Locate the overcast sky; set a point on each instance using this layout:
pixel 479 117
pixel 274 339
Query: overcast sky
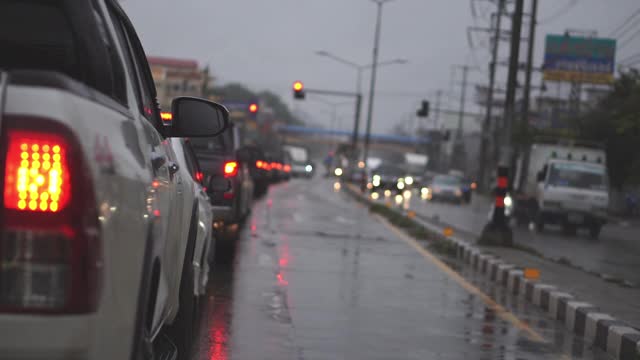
pixel 267 44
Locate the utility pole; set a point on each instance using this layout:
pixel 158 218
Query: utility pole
pixel 436 120
pixel 459 154
pixel 374 68
pixel 527 94
pixel 512 79
pixel 486 125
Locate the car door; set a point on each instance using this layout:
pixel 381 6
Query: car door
pixel 162 190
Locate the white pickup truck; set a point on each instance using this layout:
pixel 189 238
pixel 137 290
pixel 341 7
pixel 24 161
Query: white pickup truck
pixel 566 184
pixel 92 251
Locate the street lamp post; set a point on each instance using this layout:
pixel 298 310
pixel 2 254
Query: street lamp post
pixel 359 69
pixel 374 68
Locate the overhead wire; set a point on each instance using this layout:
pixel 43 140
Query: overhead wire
pixel 624 23
pixel 561 12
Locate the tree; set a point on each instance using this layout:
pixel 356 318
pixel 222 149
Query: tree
pixel 615 121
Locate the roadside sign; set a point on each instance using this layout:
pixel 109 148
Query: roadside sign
pixel 579 59
pixel 531 274
pixel 448 232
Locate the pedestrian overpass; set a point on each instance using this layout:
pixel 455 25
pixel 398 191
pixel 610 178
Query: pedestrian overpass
pixel 303 135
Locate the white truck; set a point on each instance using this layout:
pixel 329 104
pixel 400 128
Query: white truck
pixel 566 184
pixel 95 243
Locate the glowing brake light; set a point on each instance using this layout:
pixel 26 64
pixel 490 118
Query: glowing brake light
pixel 50 238
pixel 199 176
pixel 230 169
pixel 287 168
pixel 36 172
pixel 260 164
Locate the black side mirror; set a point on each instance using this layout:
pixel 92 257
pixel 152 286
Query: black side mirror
pixel 540 176
pixel 195 117
pixel 219 184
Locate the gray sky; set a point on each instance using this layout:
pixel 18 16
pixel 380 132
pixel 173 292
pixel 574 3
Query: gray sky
pixel 267 44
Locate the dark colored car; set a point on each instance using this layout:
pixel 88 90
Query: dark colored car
pixel 447 188
pixel 218 158
pixel 386 176
pixel 259 168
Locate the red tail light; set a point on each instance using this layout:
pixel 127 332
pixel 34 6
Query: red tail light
pixel 230 169
pixel 199 176
pixel 260 164
pixel 287 168
pixel 50 258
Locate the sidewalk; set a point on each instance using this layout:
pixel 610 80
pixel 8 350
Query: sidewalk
pixel 621 302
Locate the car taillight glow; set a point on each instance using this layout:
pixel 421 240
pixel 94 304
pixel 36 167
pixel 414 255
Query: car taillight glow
pixel 287 168
pixel 230 169
pixel 199 176
pixel 50 248
pixel 259 164
pixel 36 172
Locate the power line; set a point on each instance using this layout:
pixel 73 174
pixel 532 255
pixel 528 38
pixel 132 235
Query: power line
pixel 629 40
pixel 628 29
pixel 563 11
pixel 625 22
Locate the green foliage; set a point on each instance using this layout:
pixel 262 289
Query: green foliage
pixel 236 91
pixel 616 123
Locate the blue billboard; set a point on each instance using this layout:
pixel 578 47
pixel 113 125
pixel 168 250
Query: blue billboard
pixel 579 59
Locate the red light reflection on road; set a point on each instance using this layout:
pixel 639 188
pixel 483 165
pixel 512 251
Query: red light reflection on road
pixel 219 333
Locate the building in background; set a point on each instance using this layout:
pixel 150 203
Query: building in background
pixel 177 77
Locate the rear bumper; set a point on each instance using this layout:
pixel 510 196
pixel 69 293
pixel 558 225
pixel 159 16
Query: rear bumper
pixel 577 218
pixel 30 337
pixel 222 213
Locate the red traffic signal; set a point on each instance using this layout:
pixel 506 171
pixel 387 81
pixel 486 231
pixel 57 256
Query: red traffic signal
pixel 253 108
pixel 298 90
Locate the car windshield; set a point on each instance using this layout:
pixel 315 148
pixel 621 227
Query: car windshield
pixel 578 176
pixel 447 180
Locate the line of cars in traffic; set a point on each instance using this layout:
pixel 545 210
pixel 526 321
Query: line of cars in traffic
pixel 108 205
pixel 391 179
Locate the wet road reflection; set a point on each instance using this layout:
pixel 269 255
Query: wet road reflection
pixel 316 277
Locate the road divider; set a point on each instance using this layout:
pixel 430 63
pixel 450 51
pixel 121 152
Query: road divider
pixel 617 338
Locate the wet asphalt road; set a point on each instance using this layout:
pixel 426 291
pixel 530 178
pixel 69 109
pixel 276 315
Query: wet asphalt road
pixel 616 252
pixel 316 277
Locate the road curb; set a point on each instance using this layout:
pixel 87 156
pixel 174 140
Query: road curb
pixel 602 330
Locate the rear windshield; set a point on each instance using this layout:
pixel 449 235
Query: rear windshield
pixel 211 145
pixel 39 35
pixel 447 180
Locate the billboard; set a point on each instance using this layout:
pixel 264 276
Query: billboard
pixel 579 59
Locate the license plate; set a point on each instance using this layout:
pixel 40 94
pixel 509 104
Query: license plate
pixel 575 218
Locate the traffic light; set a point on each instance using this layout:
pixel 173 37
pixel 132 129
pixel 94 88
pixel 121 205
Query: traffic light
pixel 424 109
pixel 298 90
pixel 253 108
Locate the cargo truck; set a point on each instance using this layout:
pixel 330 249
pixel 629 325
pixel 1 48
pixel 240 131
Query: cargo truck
pixel 564 183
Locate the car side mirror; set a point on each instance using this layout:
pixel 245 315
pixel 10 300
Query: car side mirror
pixel 195 117
pixel 219 184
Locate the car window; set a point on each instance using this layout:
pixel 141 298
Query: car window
pixel 143 87
pixel 41 35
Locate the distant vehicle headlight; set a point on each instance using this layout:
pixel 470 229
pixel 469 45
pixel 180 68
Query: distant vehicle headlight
pixel 508 201
pixel 309 168
pixel 408 180
pixel 376 177
pixel 338 172
pixel 376 182
pixel 400 185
